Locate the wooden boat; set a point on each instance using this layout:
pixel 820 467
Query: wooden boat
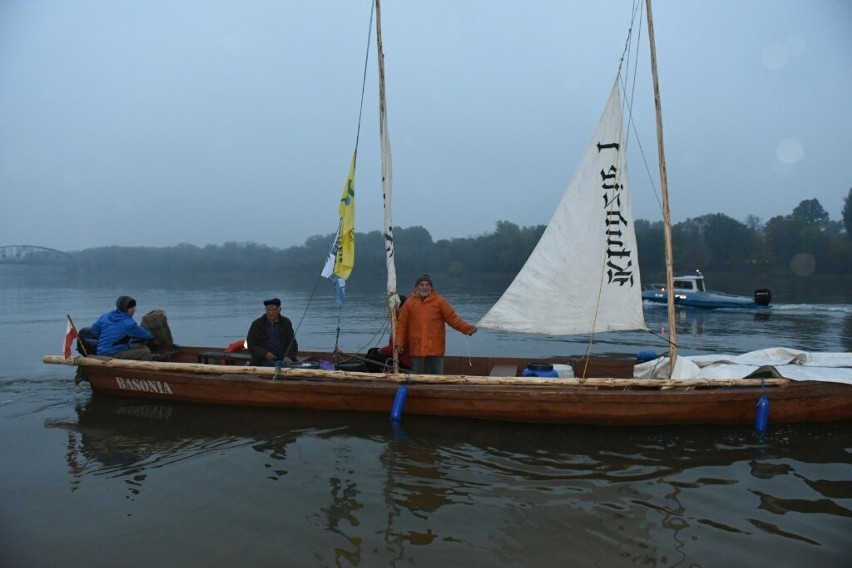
pixel 551 295
pixel 689 292
pixel 469 391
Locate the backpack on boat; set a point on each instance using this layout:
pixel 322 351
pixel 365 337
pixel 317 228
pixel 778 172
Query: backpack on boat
pixel 157 325
pixel 87 342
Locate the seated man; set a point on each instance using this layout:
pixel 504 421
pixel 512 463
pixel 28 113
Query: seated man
pixel 116 330
pixel 271 338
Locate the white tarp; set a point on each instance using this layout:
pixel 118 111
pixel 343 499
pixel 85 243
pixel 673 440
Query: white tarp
pixel 583 276
pixel 789 363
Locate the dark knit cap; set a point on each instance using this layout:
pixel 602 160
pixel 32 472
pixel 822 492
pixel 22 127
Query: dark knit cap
pixel 272 302
pixel 124 303
pixel 423 278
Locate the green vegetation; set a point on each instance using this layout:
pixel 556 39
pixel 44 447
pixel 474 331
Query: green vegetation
pixel 802 256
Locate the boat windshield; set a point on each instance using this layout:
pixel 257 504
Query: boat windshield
pixel 690 284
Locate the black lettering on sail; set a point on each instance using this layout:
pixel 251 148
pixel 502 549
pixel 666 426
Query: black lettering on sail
pixel 614 218
pixel 612 201
pixel 618 272
pixel 389 241
pixel 611 198
pixel 619 275
pixel 609 181
pixel 610 253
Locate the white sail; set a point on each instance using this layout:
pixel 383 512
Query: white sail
pixel 583 276
pixel 387 167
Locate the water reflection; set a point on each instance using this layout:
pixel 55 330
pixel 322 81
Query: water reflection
pixel 487 493
pixel 118 437
pixel 810 328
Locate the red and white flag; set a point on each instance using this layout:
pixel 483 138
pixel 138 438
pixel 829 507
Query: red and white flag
pixel 70 336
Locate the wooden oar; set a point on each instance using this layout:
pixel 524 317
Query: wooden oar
pixel 286 373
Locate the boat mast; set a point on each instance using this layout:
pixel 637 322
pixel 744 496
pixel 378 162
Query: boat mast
pixel 664 188
pixel 387 185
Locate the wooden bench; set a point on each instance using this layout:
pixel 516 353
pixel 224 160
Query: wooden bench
pixel 214 357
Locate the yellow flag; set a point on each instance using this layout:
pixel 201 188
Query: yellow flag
pixel 345 259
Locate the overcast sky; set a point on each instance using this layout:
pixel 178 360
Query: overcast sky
pixel 163 122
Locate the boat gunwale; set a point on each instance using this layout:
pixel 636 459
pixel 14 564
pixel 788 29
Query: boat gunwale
pixel 272 375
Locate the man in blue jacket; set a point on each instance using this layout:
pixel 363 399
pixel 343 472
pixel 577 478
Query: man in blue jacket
pixel 115 329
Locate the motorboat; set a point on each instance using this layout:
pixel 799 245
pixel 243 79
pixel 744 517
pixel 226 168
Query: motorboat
pixel 689 291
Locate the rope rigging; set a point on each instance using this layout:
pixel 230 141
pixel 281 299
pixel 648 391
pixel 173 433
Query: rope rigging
pixel 354 159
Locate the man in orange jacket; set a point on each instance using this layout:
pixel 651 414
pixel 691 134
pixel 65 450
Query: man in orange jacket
pixel 421 327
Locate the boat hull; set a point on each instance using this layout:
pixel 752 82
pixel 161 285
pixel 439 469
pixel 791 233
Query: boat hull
pixel 790 402
pixel 704 300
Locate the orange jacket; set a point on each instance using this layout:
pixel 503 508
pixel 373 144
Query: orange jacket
pixel 421 328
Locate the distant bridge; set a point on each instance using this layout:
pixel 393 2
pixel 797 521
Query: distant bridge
pixel 28 254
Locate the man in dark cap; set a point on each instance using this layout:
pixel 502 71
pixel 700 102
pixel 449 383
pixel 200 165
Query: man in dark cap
pixel 271 338
pixel 421 330
pixel 116 329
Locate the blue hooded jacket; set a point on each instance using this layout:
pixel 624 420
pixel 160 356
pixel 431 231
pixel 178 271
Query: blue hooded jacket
pixel 115 329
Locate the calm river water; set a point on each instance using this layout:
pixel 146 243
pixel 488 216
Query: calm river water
pixel 90 481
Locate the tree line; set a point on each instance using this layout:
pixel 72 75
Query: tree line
pixel 801 248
